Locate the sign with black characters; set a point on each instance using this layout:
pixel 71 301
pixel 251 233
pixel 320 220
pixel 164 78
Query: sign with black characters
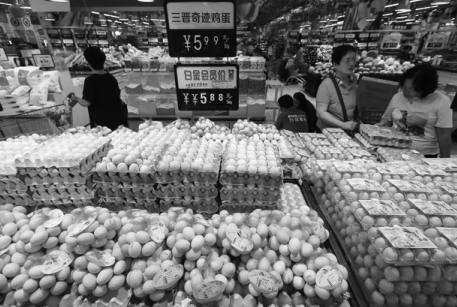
pixel 54 34
pixel 207 87
pixel 80 34
pixel 201 29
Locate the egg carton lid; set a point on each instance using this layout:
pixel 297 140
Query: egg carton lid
pixel 449 188
pixel 448 165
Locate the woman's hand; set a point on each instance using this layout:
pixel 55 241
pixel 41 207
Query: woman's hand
pixel 74 101
pixel 349 125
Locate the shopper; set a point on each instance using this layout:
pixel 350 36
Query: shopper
pixel 101 94
pixel 290 118
pixel 426 112
pixel 336 96
pixel 405 55
pixel 301 103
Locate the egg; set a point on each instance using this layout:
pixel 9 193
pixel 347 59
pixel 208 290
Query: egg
pixel 207 167
pixel 230 169
pixel 195 166
pixel 275 171
pixel 241 168
pixel 174 165
pixel 134 168
pixel 252 169
pixel 129 159
pixel 101 167
pixel 111 167
pixel 122 167
pixel 145 169
pixel 263 170
pixel 163 166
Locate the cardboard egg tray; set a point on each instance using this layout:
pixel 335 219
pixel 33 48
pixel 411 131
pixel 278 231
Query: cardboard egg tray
pixel 389 170
pixel 137 191
pixel 49 166
pixel 188 176
pixel 198 205
pixel 378 213
pixel 8 172
pixel 65 202
pixel 22 199
pixel 406 246
pixel 243 206
pixel 51 193
pixel 250 193
pixel 427 214
pixel 124 203
pixel 13 186
pixel 118 177
pixel 250 179
pixel 55 178
pixel 187 191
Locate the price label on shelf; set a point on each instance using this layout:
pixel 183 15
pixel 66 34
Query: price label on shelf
pixel 44 60
pixel 201 29
pixel 207 87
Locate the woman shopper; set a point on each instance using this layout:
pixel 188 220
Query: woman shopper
pixel 336 96
pixel 423 111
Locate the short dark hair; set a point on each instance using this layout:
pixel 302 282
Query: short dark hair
pixel 340 51
pixel 95 57
pixel 286 102
pixel 257 50
pixel 425 79
pixel 408 47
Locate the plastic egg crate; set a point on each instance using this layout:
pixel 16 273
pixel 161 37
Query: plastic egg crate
pixel 448 165
pixel 386 154
pixel 38 163
pixel 314 144
pixel 400 190
pixel 427 214
pixel 428 173
pixel 357 153
pixel 234 206
pixel 445 238
pixel 291 197
pixel 56 178
pixel 405 245
pixel 187 191
pixel 379 213
pixel 362 189
pixel 359 138
pixel 22 199
pixel 425 293
pixel 198 205
pixel 328 153
pixel 317 169
pixel 51 193
pixel 390 170
pixel 447 191
pixel 137 191
pixel 124 203
pixel 250 193
pixel 385 136
pixel 346 169
pixel 14 186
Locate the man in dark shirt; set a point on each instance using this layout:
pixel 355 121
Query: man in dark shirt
pixel 101 94
pixel 290 118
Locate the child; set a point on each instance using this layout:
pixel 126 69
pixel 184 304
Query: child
pixel 290 118
pixel 101 94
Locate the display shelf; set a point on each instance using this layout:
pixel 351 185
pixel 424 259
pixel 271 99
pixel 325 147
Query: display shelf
pixel 358 298
pixel 313 200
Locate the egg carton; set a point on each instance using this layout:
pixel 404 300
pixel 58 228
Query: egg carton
pixel 55 178
pixel 14 186
pixel 124 203
pixel 27 166
pixel 188 176
pixel 346 169
pixel 364 143
pixel 233 206
pixel 389 170
pixel 361 189
pixel 445 238
pixel 448 165
pixel 385 136
pixel 8 172
pixel 22 199
pixel 406 246
pixel 62 192
pixel 65 202
pixel 414 288
pixel 119 177
pixel 137 191
pixel 198 205
pixel 187 191
pixel 386 154
pixel 448 189
pixel 379 213
pixel 429 171
pixel 308 136
pixel 400 190
pixel 250 193
pixel 427 214
pixel 358 153
pixel 251 179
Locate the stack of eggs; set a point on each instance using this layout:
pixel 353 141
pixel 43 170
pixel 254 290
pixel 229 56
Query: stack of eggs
pixel 205 128
pixel 56 172
pixel 349 147
pixel 251 174
pixel 187 174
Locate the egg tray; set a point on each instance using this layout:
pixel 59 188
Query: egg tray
pixel 429 171
pixel 198 205
pixel 427 252
pixel 367 189
pixel 444 216
pixel 235 206
pixel 123 190
pixel 358 153
pixel 448 236
pixel 187 191
pixel 384 136
pixel 447 188
pixel 345 169
pixel 250 179
pixel 119 177
pixel 8 175
pixel 50 166
pixel 124 203
pixel 384 154
pixel 412 287
pixel 448 165
pixel 364 143
pixel 57 193
pixel 187 176
pixel 55 178
pixel 409 188
pixel 23 199
pixel 306 135
pixel 250 194
pixel 381 212
pixel 14 186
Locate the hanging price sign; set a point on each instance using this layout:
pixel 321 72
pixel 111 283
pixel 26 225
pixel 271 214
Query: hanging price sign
pixel 391 41
pixel 201 29
pixel 436 41
pixel 207 87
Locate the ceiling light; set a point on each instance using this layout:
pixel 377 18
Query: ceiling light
pixel 49 17
pixel 145 0
pixel 3 3
pixel 422 8
pixel 135 17
pixel 439 2
pixel 96 13
pixel 62 1
pixel 391 5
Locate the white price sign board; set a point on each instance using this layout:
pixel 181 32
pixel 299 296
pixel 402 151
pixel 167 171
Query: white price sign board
pixel 391 41
pixel 201 77
pixel 44 60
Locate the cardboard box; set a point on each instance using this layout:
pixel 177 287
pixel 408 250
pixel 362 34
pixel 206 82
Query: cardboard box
pixel 256 106
pixel 147 105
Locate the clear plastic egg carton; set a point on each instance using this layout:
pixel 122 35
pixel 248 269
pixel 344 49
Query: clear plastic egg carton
pixel 447 192
pixel 362 141
pixel 358 153
pixel 386 154
pixel 125 203
pixel 448 165
pixel 425 293
pixel 314 144
pixel 427 173
pixel 301 155
pixel 198 205
pixel 401 190
pixel 405 246
pixel 328 153
pixel 385 136
pixel 445 238
pixel 427 214
pixel 362 189
pixel 233 206
pixel 187 191
pixel 59 192
pixel 291 197
pixel 379 213
pixel 389 170
pixel 138 191
pixel 12 186
pixel 346 169
pixel 317 169
pixel 335 136
pixel 250 193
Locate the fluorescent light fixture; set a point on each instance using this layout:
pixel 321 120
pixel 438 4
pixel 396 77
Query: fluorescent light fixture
pixel 403 10
pixel 388 14
pixel 391 5
pixel 96 13
pixel 3 3
pixel 118 21
pixel 341 16
pixel 61 1
pixel 371 19
pixel 25 4
pixel 422 8
pixel 402 17
pixel 145 0
pixel 49 17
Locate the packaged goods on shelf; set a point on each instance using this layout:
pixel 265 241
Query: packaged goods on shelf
pixel 385 136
